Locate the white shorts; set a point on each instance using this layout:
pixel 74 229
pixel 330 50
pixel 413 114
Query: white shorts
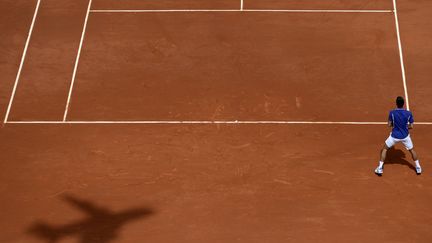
pixel 407 142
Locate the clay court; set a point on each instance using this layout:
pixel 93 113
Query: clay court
pixel 212 120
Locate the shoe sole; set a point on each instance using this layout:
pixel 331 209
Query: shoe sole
pixel 378 174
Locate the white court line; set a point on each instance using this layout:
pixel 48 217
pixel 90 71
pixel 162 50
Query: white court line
pixel 22 62
pixel 241 5
pixel 230 122
pixel 236 10
pixel 77 62
pixel 401 54
pixel 210 122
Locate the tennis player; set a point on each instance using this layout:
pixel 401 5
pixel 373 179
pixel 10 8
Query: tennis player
pixel 400 120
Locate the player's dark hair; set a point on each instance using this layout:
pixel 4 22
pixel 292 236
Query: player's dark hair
pixel 400 101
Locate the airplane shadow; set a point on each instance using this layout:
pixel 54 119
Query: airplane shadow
pixel 102 225
pixel 397 156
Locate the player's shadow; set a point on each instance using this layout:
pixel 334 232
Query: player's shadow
pixel 101 225
pixel 397 156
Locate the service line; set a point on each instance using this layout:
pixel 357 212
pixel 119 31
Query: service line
pixel 237 10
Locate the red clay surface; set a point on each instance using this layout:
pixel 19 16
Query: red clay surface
pixel 248 4
pixel 245 66
pixel 14 25
pixel 213 184
pixel 196 183
pixel 45 80
pixel 414 22
pixel 319 4
pixel 166 4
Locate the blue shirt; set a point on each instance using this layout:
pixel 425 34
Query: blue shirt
pixel 400 119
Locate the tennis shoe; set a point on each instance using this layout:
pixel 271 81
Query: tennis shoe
pixel 418 170
pixel 379 171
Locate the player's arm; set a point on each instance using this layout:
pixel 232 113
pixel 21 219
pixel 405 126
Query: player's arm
pixel 390 120
pixel 411 122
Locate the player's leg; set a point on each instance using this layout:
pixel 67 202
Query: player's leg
pixel 390 142
pixel 410 147
pixel 413 154
pixel 380 169
pixel 416 161
pixel 384 153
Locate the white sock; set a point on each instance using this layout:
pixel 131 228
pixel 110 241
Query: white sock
pixel 381 164
pixel 417 163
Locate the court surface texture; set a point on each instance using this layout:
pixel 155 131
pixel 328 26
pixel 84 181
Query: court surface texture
pixel 212 120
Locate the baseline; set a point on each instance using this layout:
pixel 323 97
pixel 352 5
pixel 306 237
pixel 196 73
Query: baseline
pixel 214 122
